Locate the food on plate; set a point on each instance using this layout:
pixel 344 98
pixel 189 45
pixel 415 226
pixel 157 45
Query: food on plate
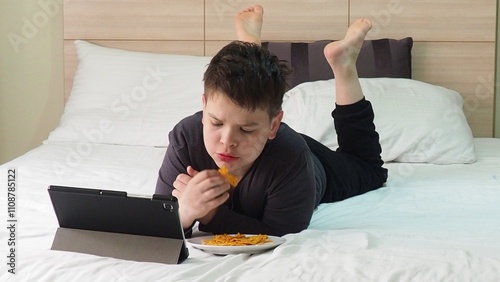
pixel 233 180
pixel 237 240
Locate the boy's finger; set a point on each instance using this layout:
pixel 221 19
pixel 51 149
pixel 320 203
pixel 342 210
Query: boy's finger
pixel 191 171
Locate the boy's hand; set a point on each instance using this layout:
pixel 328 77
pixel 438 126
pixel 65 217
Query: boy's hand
pixel 182 180
pixel 199 194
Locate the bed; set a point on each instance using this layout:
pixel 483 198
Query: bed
pixel 436 218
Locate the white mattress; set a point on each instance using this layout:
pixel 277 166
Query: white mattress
pixel 430 223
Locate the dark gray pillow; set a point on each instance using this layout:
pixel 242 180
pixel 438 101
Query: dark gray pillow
pixel 378 58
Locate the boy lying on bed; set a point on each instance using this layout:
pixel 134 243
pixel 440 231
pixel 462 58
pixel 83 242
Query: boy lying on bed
pixel 283 175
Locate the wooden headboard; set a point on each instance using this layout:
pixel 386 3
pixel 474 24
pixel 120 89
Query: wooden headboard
pixel 454 41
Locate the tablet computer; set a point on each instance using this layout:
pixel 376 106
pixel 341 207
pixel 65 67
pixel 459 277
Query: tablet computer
pixel 126 226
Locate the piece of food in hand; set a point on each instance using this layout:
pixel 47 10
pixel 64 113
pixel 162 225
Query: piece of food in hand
pixel 233 180
pixel 236 240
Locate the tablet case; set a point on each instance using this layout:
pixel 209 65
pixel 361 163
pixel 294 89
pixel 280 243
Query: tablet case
pixel 115 224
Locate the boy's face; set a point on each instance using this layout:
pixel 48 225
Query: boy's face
pixel 234 137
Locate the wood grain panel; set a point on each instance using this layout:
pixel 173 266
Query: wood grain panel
pixel 283 20
pixel 429 20
pixel 133 19
pixel 454 39
pixel 212 47
pixel 466 67
pixel 164 47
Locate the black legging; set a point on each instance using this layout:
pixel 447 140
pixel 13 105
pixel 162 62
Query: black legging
pixel 356 166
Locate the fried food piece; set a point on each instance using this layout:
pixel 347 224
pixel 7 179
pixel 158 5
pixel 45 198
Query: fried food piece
pixel 233 181
pixel 236 240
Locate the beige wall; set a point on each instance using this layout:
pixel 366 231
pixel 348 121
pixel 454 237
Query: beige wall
pixel 31 74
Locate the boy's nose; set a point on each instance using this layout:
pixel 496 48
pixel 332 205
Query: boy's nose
pixel 228 139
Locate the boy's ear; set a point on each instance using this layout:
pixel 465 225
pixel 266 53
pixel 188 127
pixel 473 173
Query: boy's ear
pixel 275 124
pixel 203 100
pixel 204 103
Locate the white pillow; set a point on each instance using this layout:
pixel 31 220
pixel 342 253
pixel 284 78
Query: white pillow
pixel 417 122
pixel 129 98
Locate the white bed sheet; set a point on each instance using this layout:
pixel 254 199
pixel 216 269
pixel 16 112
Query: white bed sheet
pixel 430 223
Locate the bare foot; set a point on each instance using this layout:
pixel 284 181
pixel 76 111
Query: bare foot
pixel 344 53
pixel 248 24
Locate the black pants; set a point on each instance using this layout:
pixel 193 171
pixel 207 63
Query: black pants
pixel 356 166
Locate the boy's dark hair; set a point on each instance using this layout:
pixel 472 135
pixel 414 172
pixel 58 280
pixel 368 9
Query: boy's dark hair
pixel 249 75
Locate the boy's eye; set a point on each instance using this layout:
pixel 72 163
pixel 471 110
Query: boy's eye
pixel 246 131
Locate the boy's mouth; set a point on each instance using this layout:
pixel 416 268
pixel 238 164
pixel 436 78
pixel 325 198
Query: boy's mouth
pixel 226 158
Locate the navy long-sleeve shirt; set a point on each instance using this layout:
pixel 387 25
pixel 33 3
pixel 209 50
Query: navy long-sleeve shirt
pixel 276 196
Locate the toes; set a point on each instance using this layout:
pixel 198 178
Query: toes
pixel 256 8
pixel 364 24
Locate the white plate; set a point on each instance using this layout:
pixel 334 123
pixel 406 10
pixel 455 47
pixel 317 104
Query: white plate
pixel 197 242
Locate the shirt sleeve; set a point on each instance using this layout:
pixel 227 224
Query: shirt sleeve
pixel 185 149
pixel 171 167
